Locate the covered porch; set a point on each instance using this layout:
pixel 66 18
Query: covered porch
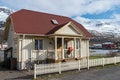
pixel 65 48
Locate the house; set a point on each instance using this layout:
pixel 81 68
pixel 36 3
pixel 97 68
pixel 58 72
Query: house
pixel 45 37
pixel 108 45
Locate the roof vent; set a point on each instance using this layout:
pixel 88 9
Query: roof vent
pixel 54 21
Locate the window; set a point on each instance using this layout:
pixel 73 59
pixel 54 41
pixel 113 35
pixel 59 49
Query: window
pixel 54 21
pixel 38 44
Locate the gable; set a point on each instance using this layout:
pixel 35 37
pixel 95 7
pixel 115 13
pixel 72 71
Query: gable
pixel 69 29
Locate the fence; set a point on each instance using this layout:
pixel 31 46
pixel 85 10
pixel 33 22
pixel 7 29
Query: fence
pixel 59 67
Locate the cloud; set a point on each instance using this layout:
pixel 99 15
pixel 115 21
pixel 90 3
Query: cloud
pixel 116 16
pixel 3 16
pixel 65 7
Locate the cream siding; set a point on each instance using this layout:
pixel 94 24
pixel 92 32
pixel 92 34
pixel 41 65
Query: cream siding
pixel 68 30
pixel 84 48
pixel 11 36
pixel 12 41
pixel 27 49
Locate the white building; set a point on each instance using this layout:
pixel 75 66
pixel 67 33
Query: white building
pixel 45 37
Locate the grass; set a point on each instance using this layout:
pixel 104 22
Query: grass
pixel 96 57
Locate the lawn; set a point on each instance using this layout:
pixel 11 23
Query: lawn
pixel 96 57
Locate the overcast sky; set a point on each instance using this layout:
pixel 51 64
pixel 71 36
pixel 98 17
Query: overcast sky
pixel 92 9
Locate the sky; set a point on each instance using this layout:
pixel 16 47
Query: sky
pixel 92 9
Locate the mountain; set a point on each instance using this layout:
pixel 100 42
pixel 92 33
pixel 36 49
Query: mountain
pixel 101 25
pixel 103 30
pixel 4 13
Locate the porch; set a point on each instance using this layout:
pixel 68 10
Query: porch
pixel 65 49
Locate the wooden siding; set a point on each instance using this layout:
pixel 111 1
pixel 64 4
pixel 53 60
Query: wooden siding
pixel 84 48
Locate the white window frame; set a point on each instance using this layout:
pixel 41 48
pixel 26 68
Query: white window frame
pixel 38 45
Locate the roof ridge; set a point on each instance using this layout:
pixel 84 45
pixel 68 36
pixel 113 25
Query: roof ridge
pixel 42 13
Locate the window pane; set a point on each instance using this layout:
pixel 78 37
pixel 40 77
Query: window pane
pixel 38 44
pixel 41 44
pixel 77 44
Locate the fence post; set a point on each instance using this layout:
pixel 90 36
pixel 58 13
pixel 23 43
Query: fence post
pixel 103 62
pixel 59 67
pixel 79 65
pixel 114 60
pixel 34 71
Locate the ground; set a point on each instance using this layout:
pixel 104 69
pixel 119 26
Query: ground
pixel 97 73
pixel 6 74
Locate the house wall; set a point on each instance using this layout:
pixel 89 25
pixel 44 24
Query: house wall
pixel 27 45
pixel 10 36
pixel 27 50
pixel 84 48
pixel 12 41
pixel 67 30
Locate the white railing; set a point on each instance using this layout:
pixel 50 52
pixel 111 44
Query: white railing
pixel 59 67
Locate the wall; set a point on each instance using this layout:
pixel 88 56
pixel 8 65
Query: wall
pixel 10 36
pixel 84 48
pixel 27 49
pixel 12 41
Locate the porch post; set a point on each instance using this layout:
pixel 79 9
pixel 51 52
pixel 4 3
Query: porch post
pixel 75 47
pixel 80 47
pixel 56 57
pixel 63 48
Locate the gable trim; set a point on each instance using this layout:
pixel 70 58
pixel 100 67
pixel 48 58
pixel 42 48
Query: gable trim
pixel 80 33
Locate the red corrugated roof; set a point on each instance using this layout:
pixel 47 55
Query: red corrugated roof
pixel 32 22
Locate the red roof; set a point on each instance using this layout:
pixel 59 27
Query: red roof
pixel 32 22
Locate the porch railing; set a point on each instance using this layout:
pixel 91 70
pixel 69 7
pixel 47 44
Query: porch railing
pixel 50 54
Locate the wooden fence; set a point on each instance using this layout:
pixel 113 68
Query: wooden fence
pixel 59 67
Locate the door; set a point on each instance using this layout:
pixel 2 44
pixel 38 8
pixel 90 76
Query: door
pixel 59 48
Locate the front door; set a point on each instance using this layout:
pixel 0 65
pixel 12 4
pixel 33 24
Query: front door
pixel 59 48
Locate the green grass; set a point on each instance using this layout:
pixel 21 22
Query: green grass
pixel 96 57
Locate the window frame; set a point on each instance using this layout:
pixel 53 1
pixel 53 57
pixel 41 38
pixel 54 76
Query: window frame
pixel 38 44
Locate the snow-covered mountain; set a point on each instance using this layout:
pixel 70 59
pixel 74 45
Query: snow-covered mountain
pixel 4 13
pixel 101 27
